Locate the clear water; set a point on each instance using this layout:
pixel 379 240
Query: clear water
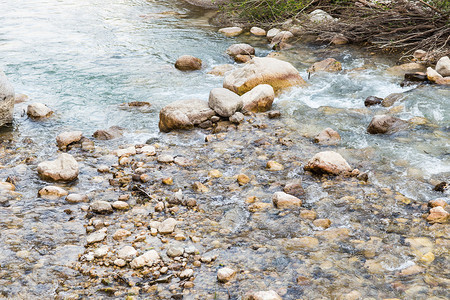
pixel 84 58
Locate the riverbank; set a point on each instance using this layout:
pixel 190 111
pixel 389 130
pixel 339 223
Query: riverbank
pixel 160 215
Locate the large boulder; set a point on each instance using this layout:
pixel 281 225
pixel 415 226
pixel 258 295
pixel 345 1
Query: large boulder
pixel 401 70
pixel 184 114
pixel 326 65
pixel 65 168
pixel 279 74
pixel 386 124
pixel 188 63
pixel 259 99
pixel 224 102
pixel 6 100
pixel 443 66
pixel 329 162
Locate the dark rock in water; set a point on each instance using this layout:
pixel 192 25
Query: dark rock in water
pixel 112 132
pixel 416 77
pixel 386 124
pixel 188 63
pixel 441 187
pixel 372 100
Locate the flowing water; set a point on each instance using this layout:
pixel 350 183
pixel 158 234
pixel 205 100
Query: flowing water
pixel 84 58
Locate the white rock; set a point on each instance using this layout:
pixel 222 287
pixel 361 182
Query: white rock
pixel 187 273
pixel 127 253
pixel 237 118
pixel 120 262
pixel 231 31
pixel 101 251
pixel 52 192
pixel 224 102
pixel 263 70
pixel 283 200
pixel 65 168
pixel 68 137
pixel 443 66
pixel 432 75
pixel 175 251
pixel 167 226
pixel 259 99
pixel 165 158
pixel 77 198
pixel 225 274
pixel 257 31
pixel 328 162
pixel 320 16
pixel 148 150
pixel 147 259
pixel 240 49
pixel 125 152
pixel 272 33
pixel 96 236
pixel 263 295
pixel 38 110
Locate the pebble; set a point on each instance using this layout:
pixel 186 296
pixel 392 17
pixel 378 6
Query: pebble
pixel 243 179
pixel 147 259
pixel 301 243
pixel 215 173
pixel 96 236
pixel 120 234
pixel 199 187
pixel 125 152
pixel 101 207
pixel 175 251
pixel 101 251
pixel 437 202
pixel 167 226
pixel 187 273
pixel 148 150
pixel 167 181
pixel 427 258
pixel 77 198
pixel 274 114
pixel 263 295
pixel 438 215
pixel 225 274
pixel 127 253
pixel 120 262
pixel 283 200
pixel 52 192
pixel 274 166
pixel 323 223
pixel 165 158
pixel 120 205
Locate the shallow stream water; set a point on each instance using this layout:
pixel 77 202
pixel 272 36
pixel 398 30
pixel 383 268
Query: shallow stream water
pixel 84 58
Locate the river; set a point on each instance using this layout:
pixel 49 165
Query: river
pixel 83 58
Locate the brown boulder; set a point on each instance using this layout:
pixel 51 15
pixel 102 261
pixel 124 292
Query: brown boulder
pixel 328 162
pixel 386 124
pixel 327 65
pixel 259 99
pixel 188 63
pixel 327 137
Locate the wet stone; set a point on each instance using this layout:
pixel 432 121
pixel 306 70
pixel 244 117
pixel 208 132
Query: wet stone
pixel 225 274
pixel 96 236
pixel 101 207
pixel 323 223
pixel 77 198
pixel 127 253
pixel 175 251
pixel 165 158
pixel 274 166
pixel 120 205
pixel 187 273
pixel 283 200
pixel 167 226
pixel 121 234
pixel 52 192
pixel 243 179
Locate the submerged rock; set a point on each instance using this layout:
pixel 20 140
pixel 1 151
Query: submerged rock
pixel 52 192
pixel 327 65
pixel 280 40
pixel 188 63
pixel 263 70
pixel 259 99
pixel 221 70
pixel 7 97
pixel 112 132
pixel 184 114
pixel 385 124
pixel 148 259
pixel 327 137
pixel 224 102
pixel 392 98
pixel 38 111
pixel 65 168
pixel 438 215
pixel 262 295
pixel 225 274
pixel 401 70
pixel 101 207
pixel 328 162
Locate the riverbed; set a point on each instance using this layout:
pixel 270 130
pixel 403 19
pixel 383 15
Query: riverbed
pixel 86 58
